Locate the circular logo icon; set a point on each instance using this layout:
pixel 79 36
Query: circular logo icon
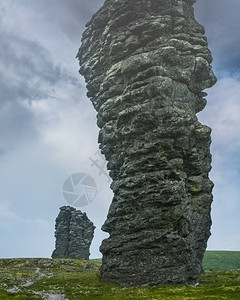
pixel 79 189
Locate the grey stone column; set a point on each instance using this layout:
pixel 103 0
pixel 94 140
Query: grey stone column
pixel 74 233
pixel 146 64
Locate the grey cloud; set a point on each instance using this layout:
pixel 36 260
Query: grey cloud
pixel 16 126
pixel 78 13
pixel 69 16
pixel 27 71
pixel 2 151
pixel 222 23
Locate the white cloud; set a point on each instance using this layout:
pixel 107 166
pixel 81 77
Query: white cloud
pixel 34 172
pixel 221 240
pixel 222 113
pixel 7 216
pixel 9 219
pixel 67 130
pixel 221 21
pixel 23 237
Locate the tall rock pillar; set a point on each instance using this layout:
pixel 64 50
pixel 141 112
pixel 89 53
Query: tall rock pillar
pixel 74 233
pixel 146 64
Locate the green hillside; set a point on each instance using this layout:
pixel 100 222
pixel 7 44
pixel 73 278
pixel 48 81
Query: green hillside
pixel 221 260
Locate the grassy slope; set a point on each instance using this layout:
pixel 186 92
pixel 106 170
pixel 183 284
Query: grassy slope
pixel 221 260
pixel 80 280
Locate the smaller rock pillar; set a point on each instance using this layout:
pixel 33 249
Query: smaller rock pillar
pixel 74 233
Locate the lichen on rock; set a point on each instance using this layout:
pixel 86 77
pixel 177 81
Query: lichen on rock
pixel 74 233
pixel 146 64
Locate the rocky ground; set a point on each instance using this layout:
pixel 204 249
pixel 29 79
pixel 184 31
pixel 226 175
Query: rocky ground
pixel 40 278
pixel 53 279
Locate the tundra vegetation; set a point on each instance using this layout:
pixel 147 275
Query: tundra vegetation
pixel 41 278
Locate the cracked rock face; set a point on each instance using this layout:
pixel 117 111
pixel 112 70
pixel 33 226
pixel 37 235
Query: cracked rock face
pixel 74 233
pixel 146 64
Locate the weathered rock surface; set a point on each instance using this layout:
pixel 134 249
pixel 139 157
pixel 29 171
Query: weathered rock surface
pixel 146 63
pixel 74 233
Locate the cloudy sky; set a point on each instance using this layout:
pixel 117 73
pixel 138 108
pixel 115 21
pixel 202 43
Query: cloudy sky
pixel 48 127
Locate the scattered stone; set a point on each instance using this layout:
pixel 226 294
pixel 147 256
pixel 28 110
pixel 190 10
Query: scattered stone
pixel 74 233
pixel 49 296
pixel 146 63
